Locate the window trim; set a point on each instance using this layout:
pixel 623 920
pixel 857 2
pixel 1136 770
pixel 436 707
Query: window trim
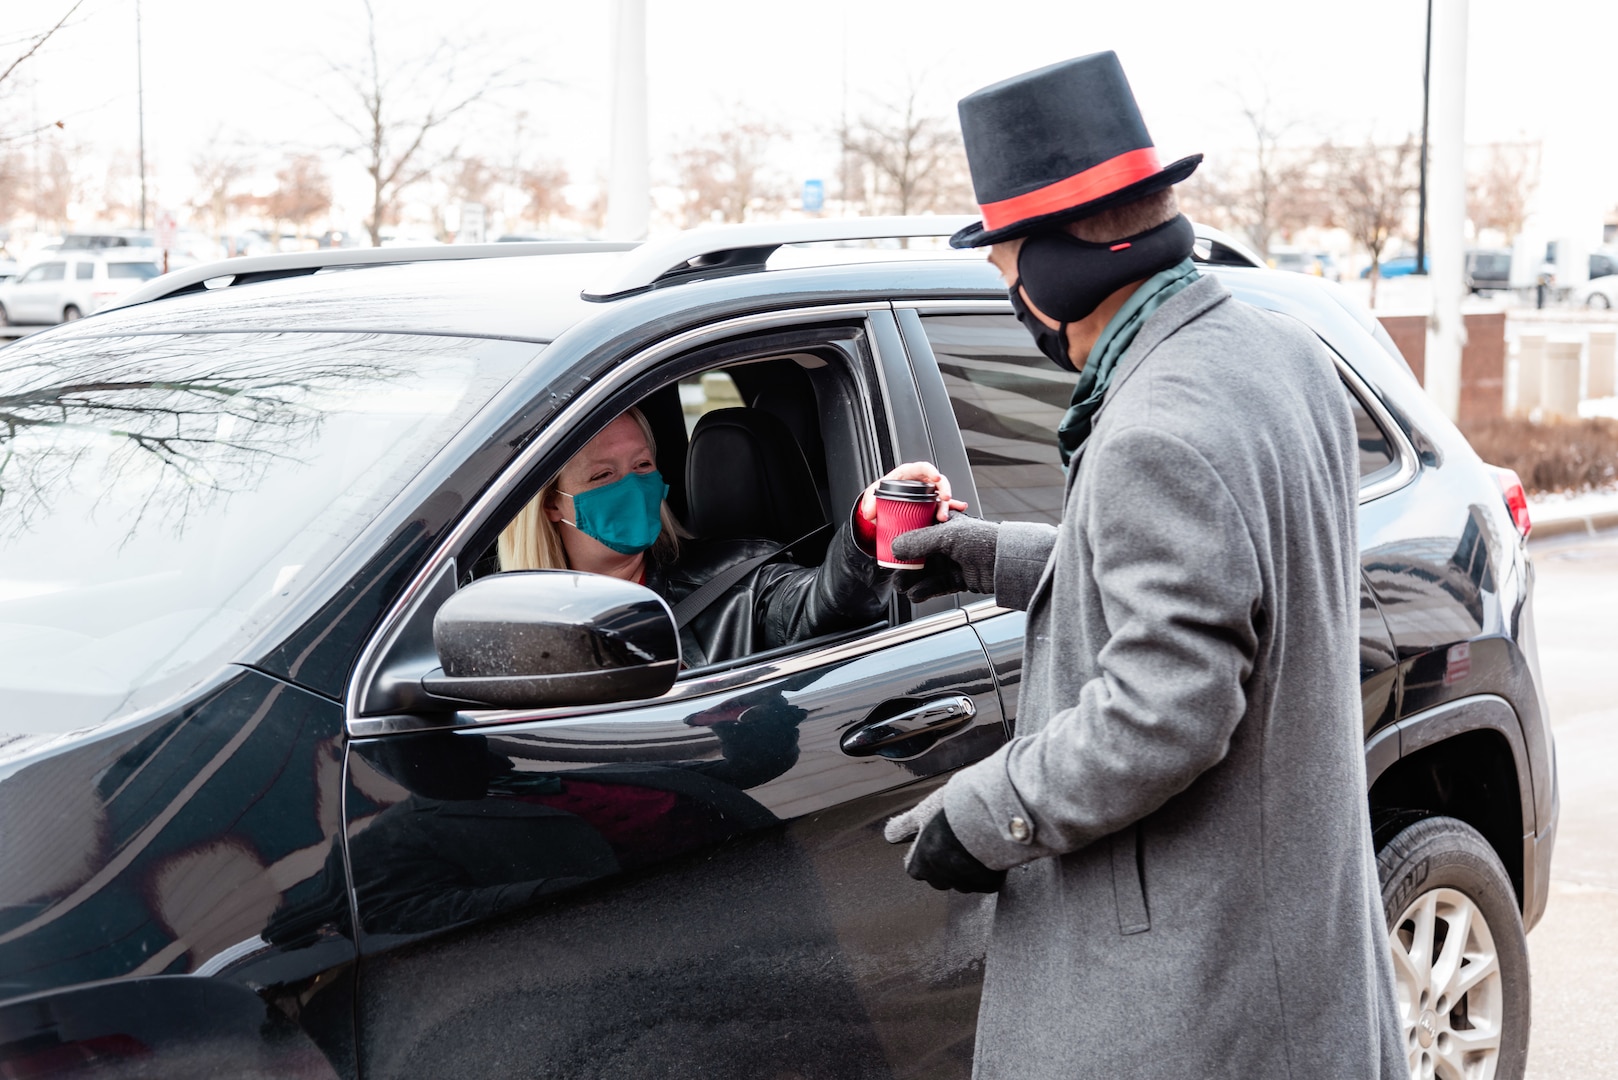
pixel 368 666
pixel 1404 453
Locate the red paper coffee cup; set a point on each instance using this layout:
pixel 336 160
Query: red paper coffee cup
pixel 902 505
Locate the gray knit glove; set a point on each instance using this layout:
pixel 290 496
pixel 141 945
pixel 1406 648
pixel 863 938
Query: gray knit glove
pixel 959 554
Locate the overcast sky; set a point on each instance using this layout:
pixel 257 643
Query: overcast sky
pixel 225 69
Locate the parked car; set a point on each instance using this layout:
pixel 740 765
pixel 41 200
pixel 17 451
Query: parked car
pixel 1401 266
pixel 264 813
pixel 1600 292
pixel 115 238
pixel 1296 261
pixel 1488 269
pixel 71 284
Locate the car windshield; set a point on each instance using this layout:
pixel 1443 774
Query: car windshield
pixel 162 497
pixel 142 271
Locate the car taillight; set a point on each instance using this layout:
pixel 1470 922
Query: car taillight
pixel 1516 499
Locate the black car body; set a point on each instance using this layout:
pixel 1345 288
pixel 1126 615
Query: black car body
pixel 273 851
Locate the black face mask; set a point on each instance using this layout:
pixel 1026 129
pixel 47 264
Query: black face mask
pixel 1068 278
pixel 1053 343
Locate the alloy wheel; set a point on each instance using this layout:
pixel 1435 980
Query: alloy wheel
pixel 1451 1000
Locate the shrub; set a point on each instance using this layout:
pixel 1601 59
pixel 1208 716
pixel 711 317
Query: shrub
pixel 1572 455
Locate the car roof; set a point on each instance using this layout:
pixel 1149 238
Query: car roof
pixel 536 295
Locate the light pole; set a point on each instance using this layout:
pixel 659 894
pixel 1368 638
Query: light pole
pixel 1426 102
pixel 140 109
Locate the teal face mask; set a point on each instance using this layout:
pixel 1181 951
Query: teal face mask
pixel 623 514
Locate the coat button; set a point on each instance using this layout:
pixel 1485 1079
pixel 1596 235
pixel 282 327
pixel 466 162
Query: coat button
pixel 1020 831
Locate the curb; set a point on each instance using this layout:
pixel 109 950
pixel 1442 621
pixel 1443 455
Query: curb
pixel 1576 523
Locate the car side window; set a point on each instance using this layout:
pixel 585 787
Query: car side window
pixel 1008 400
pixel 53 271
pixel 84 271
pixel 758 452
pixel 1376 449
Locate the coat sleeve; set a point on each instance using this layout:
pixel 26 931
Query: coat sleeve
pixel 847 590
pixel 1180 593
pixel 1021 550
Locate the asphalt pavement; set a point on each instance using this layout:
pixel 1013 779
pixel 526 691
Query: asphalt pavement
pixel 1573 952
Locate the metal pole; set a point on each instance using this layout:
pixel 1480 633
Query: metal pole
pixel 1446 332
pixel 629 185
pixel 140 107
pixel 1426 101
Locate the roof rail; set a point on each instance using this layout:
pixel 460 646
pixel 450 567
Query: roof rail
pixel 247 269
pixel 720 250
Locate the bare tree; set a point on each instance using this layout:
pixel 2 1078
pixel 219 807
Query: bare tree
pixel 34 42
pixel 302 192
pixel 59 183
pixel 1370 188
pixel 394 111
pixel 1497 194
pixel 218 172
pixel 544 185
pixel 1276 190
pixel 726 174
pixel 907 162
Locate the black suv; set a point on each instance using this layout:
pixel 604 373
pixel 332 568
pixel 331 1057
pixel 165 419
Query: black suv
pixel 256 819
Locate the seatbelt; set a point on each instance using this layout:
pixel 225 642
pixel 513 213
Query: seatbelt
pixel 702 597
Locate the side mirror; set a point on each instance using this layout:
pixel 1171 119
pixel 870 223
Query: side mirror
pixel 542 638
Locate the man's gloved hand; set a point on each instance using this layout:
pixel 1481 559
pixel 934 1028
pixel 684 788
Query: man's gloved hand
pixel 959 556
pixel 943 862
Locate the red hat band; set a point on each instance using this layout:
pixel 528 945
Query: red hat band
pixel 1098 181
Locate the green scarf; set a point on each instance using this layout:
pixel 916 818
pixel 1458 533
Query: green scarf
pixel 1118 335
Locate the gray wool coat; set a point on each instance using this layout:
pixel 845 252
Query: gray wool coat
pixel 1192 891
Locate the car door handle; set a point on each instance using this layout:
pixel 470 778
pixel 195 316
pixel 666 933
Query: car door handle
pixel 938 717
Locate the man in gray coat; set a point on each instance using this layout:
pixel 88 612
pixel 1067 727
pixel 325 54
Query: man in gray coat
pixel 1178 832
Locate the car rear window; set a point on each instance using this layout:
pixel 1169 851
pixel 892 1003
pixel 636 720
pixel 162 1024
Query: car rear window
pixel 162 497
pixel 141 271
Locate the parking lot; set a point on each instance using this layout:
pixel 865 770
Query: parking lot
pixel 1575 982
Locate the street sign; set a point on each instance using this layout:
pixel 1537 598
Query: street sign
pixel 814 195
pixel 167 228
pixel 473 224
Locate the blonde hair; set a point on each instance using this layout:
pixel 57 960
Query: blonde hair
pixel 533 542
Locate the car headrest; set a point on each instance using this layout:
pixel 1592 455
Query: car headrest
pixel 746 477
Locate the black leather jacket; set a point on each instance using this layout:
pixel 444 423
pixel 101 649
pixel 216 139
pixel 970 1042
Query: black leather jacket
pixel 777 603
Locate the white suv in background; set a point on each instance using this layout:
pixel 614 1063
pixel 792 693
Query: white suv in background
pixel 71 284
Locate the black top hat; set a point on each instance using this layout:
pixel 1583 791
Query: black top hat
pixel 1058 144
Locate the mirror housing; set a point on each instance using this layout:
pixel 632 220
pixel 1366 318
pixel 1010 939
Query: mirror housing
pixel 537 639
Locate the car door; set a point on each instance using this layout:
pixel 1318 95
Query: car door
pixel 694 884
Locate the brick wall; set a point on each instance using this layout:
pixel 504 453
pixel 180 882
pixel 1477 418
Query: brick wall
pixel 1483 360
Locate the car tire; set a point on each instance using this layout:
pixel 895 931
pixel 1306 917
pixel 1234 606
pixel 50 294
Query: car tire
pixel 5 320
pixel 1463 1001
pixel 71 313
pixel 1597 300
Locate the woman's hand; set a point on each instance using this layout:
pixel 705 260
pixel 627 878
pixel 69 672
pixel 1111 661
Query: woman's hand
pixel 913 470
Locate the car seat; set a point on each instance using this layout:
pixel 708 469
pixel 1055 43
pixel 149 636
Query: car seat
pixel 746 478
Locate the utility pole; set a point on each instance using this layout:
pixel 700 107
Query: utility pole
pixel 1426 100
pixel 1446 332
pixel 629 184
pixel 140 108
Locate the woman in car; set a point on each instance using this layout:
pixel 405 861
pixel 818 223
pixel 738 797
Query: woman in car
pixel 604 513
